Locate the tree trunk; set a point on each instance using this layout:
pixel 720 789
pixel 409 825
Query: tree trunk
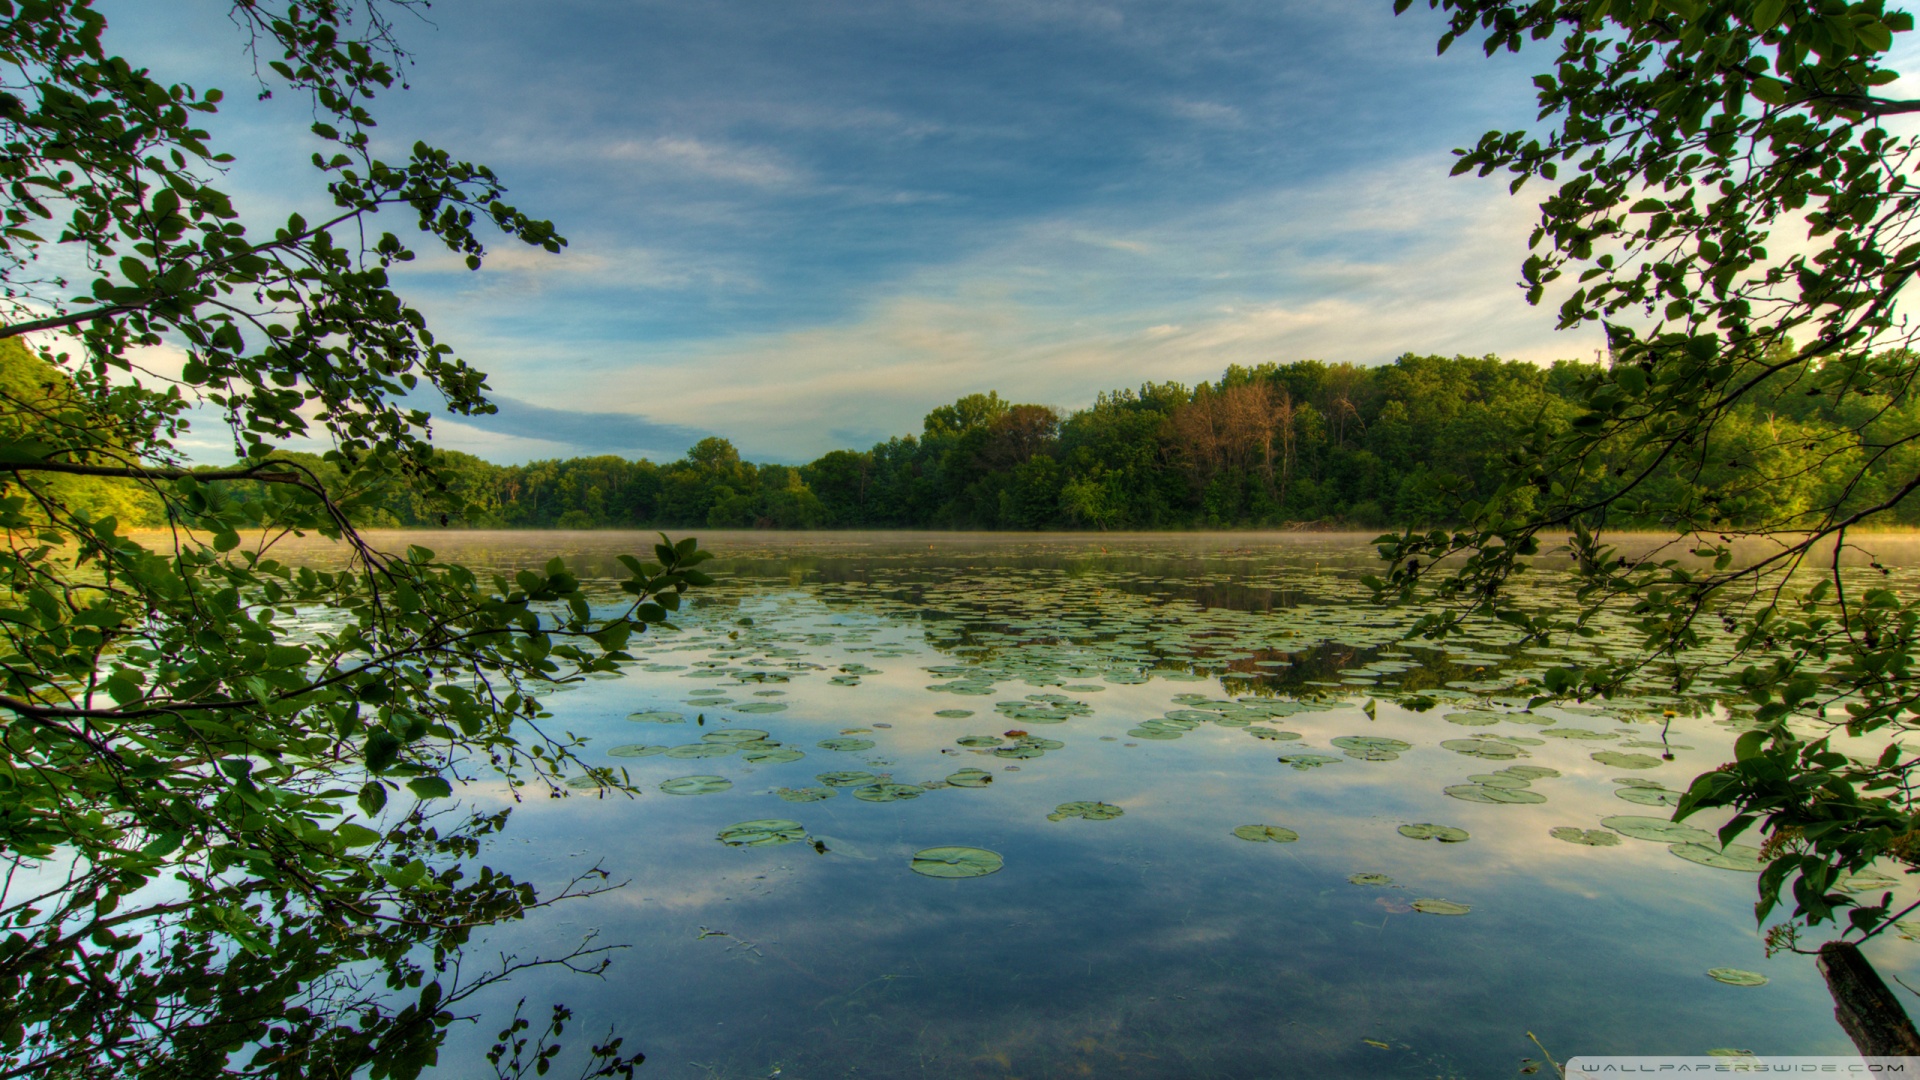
pixel 1867 1010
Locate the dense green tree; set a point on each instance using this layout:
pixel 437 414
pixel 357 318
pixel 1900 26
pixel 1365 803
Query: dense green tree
pixel 1760 386
pixel 224 848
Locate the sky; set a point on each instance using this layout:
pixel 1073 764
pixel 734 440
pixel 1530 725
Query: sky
pixel 801 226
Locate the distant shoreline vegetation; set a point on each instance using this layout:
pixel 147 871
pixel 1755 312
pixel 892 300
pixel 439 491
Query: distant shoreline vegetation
pixel 1299 445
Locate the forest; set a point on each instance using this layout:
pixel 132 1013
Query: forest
pixel 1302 444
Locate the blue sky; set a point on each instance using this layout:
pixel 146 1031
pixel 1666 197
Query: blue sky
pixel 802 225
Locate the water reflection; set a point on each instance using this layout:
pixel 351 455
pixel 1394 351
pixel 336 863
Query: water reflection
pixel 1170 679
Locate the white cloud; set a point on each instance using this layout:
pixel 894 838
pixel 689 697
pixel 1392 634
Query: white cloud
pixel 1358 269
pixel 709 160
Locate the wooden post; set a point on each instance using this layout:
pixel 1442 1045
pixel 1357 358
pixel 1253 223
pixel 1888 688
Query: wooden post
pixel 1866 1009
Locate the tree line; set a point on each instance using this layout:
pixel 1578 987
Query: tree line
pixel 1409 443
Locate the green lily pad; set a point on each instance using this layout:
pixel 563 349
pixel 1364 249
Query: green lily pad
pixel 1157 733
pixel 696 785
pixel 1589 837
pixel 1482 748
pixel 657 716
pixel 1092 811
pixel 1369 879
pixel 1736 977
pixel 1740 857
pixel 1266 833
pixel 582 783
pixel 766 832
pixel 1273 734
pixel 1500 779
pixel 1446 834
pixel 979 741
pixel 1370 747
pixel 1620 760
pixel 1304 762
pixel 1578 733
pixel 973 778
pixel 846 778
pixel 1649 796
pixel 734 735
pixel 954 714
pixel 773 755
pixel 636 750
pixel 1018 751
pixel 701 750
pixel 1531 772
pixel 1487 793
pixel 1428 905
pixel 1473 719
pixel 888 792
pixel 761 707
pixel 956 862
pixel 1637 781
pixel 849 745
pixel 1658 830
pixel 805 794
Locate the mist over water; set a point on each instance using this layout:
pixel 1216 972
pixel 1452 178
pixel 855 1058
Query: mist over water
pixel 1198 684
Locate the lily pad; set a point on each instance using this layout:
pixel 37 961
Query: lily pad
pixel 582 783
pixel 1369 879
pixel 762 707
pixel 1658 830
pixel 956 862
pixel 1092 811
pixel 888 792
pixel 1482 748
pixel 1273 734
pixel 1428 905
pixel 850 745
pixel 765 832
pixel 734 735
pixel 974 778
pixel 1304 762
pixel 636 750
pixel 1371 747
pixel 1742 857
pixel 805 794
pixel 657 716
pixel 1266 833
pixel 1446 834
pixel 701 750
pixel 774 755
pixel 696 785
pixel 846 778
pixel 954 714
pixel 1736 977
pixel 1487 793
pixel 1648 796
pixel 1621 760
pixel 1473 719
pixel 978 741
pixel 1589 837
pixel 1579 733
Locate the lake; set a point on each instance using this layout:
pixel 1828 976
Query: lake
pixel 1064 806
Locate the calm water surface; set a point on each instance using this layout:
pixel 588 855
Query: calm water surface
pixel 1198 685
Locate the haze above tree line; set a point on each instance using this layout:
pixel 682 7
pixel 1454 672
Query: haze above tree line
pixel 1298 444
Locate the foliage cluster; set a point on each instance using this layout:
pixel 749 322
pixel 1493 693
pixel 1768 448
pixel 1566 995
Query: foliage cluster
pixel 220 852
pixel 1729 195
pixel 1406 443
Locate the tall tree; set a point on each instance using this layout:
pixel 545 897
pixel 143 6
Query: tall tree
pixel 223 850
pixel 1692 144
